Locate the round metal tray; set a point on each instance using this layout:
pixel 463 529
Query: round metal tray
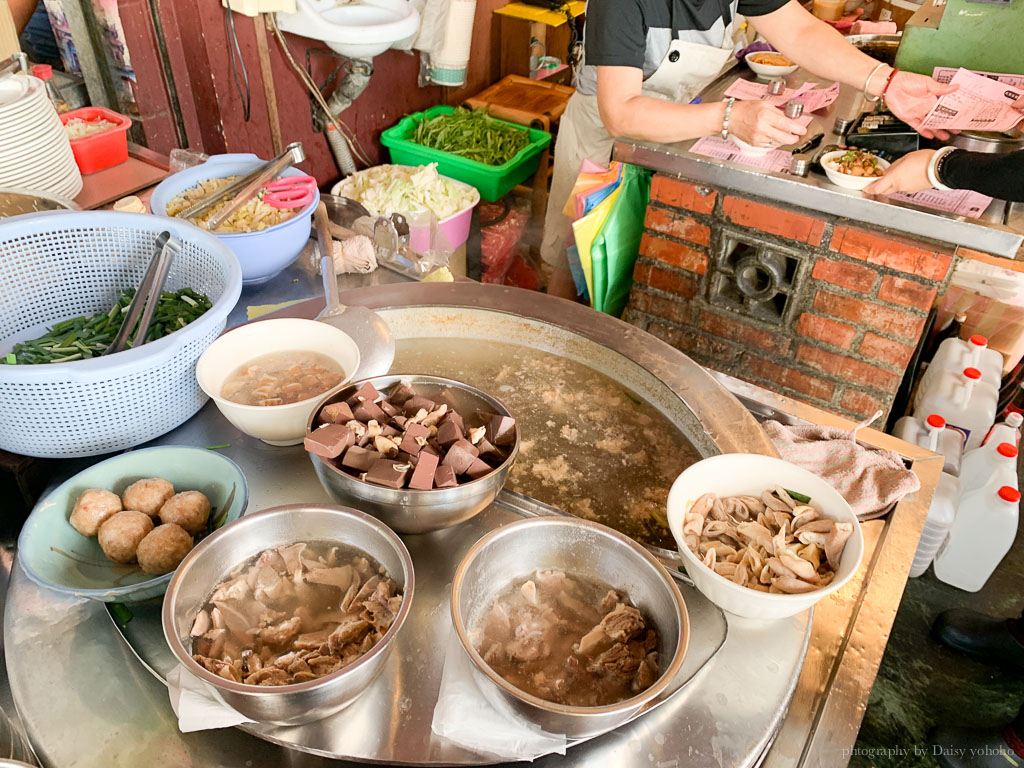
pixel 727 716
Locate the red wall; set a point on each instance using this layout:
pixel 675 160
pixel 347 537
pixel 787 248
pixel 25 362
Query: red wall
pixel 211 109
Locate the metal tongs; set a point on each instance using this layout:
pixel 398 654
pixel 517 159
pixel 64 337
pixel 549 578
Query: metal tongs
pixel 147 295
pixel 243 189
pixel 17 62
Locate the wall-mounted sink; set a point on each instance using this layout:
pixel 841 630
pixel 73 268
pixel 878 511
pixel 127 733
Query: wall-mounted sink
pixel 359 30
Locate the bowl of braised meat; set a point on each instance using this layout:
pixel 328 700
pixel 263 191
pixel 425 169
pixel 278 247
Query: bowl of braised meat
pixel 290 613
pixel 568 624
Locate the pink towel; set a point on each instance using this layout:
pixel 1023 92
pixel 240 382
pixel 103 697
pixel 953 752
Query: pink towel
pixel 870 480
pixel 874 28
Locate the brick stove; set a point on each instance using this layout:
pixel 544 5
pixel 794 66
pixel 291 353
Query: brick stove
pixel 807 305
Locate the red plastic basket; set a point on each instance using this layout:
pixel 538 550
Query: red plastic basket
pixel 101 150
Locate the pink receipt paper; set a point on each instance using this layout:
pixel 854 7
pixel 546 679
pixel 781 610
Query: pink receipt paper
pixel 980 104
pixel 812 98
pixel 945 75
pixel 961 202
pixel 713 146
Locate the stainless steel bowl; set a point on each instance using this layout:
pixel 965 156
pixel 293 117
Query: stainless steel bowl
pixel 410 511
pixel 581 548
pixel 241 540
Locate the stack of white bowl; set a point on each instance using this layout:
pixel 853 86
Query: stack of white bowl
pixel 34 149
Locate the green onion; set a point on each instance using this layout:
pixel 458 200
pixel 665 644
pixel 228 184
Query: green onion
pixel 801 497
pixel 11 359
pixel 472 134
pixel 121 613
pixel 218 447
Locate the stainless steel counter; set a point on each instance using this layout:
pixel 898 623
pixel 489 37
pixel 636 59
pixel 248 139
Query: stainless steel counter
pixel 88 702
pixel 816 193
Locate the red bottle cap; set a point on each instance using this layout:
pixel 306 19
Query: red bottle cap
pixel 972 373
pixel 936 421
pixel 1008 493
pixel 978 340
pixel 1009 450
pixel 42 71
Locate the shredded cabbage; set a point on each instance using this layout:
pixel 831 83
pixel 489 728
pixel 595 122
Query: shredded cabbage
pixel 387 189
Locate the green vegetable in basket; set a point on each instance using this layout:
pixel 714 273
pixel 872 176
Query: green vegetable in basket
pixel 83 337
pixel 472 134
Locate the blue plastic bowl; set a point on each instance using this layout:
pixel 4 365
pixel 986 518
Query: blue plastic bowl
pixel 56 556
pixel 262 254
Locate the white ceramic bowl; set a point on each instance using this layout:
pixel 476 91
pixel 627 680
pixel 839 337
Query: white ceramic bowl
pixel 768 70
pixel 740 473
pixel 274 424
pixel 840 179
pixel 750 150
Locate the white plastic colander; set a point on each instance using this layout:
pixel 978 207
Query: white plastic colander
pixel 57 265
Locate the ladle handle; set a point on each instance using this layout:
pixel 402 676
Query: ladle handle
pixel 326 247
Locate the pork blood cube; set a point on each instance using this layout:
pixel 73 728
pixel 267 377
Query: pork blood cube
pixel 423 476
pixel 444 477
pixel 359 459
pixel 388 473
pixel 416 436
pixel 330 441
pixel 335 413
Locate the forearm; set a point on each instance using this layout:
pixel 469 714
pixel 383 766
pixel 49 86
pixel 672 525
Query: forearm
pixel 819 48
pixel 651 119
pixel 999 176
pixel 22 11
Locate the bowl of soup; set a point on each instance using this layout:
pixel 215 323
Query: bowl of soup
pixel 267 377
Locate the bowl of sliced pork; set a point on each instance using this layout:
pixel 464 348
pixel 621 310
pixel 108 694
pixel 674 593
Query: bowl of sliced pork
pixel 569 625
pixel 761 537
pixel 290 613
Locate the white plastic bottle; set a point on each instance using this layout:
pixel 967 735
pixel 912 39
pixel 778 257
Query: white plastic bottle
pixel 933 435
pixel 982 533
pixel 964 401
pixel 987 462
pixel 941 514
pixel 957 354
pixel 1007 431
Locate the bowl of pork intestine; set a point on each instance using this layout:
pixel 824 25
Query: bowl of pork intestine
pixel 761 537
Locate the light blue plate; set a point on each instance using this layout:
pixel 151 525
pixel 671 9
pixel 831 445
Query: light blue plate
pixel 57 556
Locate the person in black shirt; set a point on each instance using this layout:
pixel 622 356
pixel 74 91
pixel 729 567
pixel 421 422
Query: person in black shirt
pixel 645 60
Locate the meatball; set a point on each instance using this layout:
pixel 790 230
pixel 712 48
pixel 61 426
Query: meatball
pixel 147 495
pixel 189 509
pixel 121 534
pixel 164 548
pixel 93 508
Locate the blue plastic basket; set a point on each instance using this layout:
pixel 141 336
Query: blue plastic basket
pixel 60 265
pixel 263 254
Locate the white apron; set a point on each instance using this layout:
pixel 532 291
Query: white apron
pixel 686 69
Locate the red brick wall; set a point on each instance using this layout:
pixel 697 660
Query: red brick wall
pixel 856 312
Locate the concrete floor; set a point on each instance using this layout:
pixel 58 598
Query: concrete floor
pixel 922 683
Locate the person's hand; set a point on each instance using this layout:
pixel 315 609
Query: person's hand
pixel 911 97
pixel 761 124
pixel 908 174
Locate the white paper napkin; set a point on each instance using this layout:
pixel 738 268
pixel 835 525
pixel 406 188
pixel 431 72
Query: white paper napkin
pixel 198 705
pixel 462 715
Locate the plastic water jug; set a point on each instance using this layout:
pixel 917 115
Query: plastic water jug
pixel 987 462
pixel 957 354
pixel 931 434
pixel 1005 431
pixel 967 403
pixel 982 533
pixel 941 514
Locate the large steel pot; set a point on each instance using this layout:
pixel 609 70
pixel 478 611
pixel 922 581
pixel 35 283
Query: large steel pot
pixel 243 539
pixel 581 548
pixel 406 510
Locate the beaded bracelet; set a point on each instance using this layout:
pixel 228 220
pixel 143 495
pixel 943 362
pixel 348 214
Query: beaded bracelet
pixel 725 119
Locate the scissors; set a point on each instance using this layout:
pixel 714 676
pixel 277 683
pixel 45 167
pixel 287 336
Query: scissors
pixel 289 192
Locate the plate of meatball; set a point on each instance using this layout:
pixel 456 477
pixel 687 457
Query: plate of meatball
pixel 116 531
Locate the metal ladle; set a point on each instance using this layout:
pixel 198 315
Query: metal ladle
pixel 367 329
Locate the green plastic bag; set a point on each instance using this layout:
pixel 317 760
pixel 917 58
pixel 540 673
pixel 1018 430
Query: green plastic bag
pixel 614 250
